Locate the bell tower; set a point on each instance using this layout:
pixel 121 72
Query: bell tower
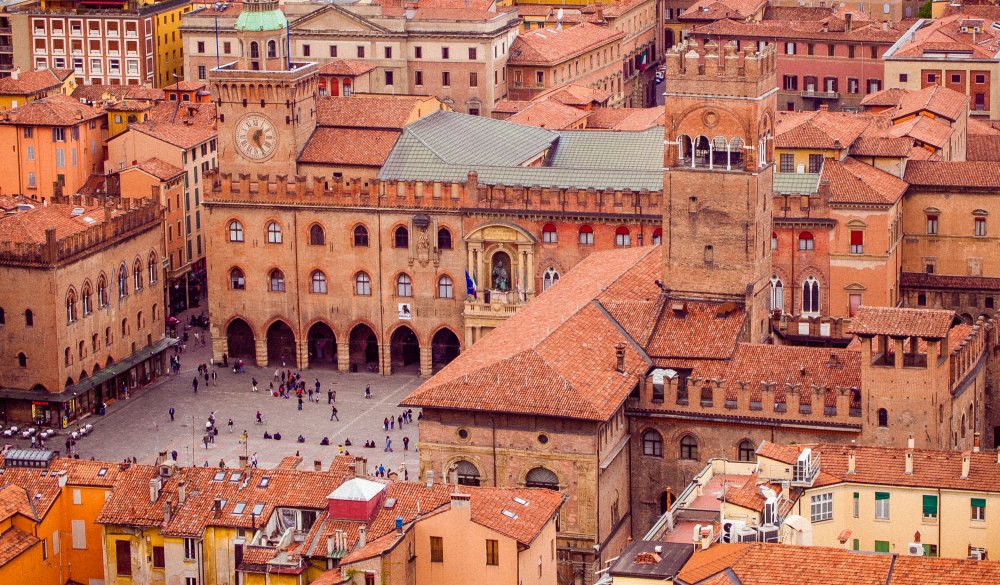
pixel 718 177
pixel 266 102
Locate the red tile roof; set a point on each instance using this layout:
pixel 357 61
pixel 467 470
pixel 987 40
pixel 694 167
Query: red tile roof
pixel 186 85
pixel 349 146
pixel 973 174
pixel 347 67
pixel 382 112
pixel 163 171
pixel 949 282
pixel 882 146
pixel 819 129
pixel 810 30
pixel 721 9
pixel 548 47
pixel 928 323
pixel 183 125
pixel 13 542
pixel 625 119
pixel 56 110
pixel 853 182
pixel 982 147
pixel 888 97
pixel 14 500
pixel 938 100
pixel 29 226
pixel 42 490
pixel 549 113
pixel 944 35
pixel 572 94
pixel 32 82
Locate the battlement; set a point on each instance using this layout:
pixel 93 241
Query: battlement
pixel 965 358
pixel 694 70
pixel 132 217
pixel 299 190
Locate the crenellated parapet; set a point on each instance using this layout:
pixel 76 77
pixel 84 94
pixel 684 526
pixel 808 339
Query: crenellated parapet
pixel 730 71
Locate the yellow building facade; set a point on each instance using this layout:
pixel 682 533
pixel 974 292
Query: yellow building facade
pixel 168 46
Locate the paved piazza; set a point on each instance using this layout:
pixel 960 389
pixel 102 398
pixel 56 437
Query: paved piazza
pixel 141 426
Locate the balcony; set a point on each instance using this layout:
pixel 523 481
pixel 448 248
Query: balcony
pixel 489 309
pixel 806 469
pixel 820 95
pixel 131 34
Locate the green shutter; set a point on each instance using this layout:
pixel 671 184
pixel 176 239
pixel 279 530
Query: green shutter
pixel 930 505
pixel 881 496
pixel 978 502
pixel 857 544
pixel 882 546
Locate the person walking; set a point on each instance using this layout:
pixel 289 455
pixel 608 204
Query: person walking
pixel 276 375
pixel 194 384
pixel 260 418
pixel 368 391
pixel 388 444
pixel 173 455
pixel 230 423
pixel 253 384
pixel 329 396
pixel 215 378
pixel 205 440
pixel 300 402
pixel 333 414
pixel 392 423
pixel 171 411
pixel 406 443
pixel 253 461
pixel 399 419
pixel 385 423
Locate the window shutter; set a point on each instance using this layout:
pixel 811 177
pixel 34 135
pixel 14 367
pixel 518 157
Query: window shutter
pixel 930 505
pixel 857 237
pixel 978 502
pixel 881 496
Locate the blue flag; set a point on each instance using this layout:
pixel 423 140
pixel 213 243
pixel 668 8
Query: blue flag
pixel 470 285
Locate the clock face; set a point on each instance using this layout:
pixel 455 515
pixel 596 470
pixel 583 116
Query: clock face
pixel 255 137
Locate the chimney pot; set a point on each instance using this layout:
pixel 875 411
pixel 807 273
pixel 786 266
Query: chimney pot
pixel 317 465
pixel 909 463
pixel 975 442
pixel 910 442
pixel 966 464
pixel 852 462
pixel 620 357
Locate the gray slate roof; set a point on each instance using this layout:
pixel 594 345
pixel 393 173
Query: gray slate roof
pixel 446 146
pixel 796 183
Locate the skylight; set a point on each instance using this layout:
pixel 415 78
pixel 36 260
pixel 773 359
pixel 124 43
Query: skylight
pixel 509 514
pixel 235 477
pixel 219 476
pixel 240 506
pixel 257 509
pixel 264 481
pixel 102 472
pixel 521 501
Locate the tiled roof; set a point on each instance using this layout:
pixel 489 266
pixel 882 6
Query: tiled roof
pixel 748 495
pixel 29 226
pixel 819 129
pixel 381 111
pixel 43 490
pixel 819 31
pixel 572 94
pixel 32 82
pixel 700 331
pixel 162 170
pixel 616 9
pixel 97 93
pixel 949 282
pixel 854 182
pixel 938 100
pixel 888 97
pixel 705 563
pixel 625 119
pixel 719 9
pixel 779 452
pixel 488 506
pixel 348 67
pixel 922 570
pixel 552 46
pixel 554 357
pixel 533 10
pixel 882 146
pixel 349 146
pixel 549 113
pixel 183 126
pixel 944 35
pixel 929 323
pixel 56 110
pixel 924 129
pixel 983 147
pixel 506 106
pixel 14 500
pixel 186 85
pixel 973 174
pixel 13 542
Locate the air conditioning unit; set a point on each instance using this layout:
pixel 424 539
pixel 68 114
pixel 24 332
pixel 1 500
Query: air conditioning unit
pixel 915 549
pixel 977 554
pixel 730 529
pixel 767 533
pixel 745 535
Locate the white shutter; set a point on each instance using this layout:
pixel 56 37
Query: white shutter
pixel 79 534
pixel 55 542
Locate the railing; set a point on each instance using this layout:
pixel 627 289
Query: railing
pixel 805 475
pixel 822 95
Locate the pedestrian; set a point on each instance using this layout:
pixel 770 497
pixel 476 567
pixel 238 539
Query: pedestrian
pixel 329 396
pixel 406 443
pixel 310 395
pixel 385 423
pixel 194 384
pixel 222 463
pixel 368 391
pixel 205 440
pixel 253 461
pixel 388 444
pixel 334 395
pixel 173 455
pixel 381 470
pixel 260 419
pixel 230 426
pixel 171 411
pixel 333 414
pixel 243 437
pixel 225 361
pixel 206 377
pixel 317 385
pixel 392 423
pixel 215 378
pixel 399 419
pixel 253 384
pixel 300 402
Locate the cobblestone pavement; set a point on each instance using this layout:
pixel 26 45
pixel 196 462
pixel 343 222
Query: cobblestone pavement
pixel 141 426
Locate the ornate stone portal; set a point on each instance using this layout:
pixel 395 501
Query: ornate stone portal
pixel 502 263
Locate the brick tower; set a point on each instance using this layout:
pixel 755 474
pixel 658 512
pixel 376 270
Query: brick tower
pixel 266 102
pixel 717 183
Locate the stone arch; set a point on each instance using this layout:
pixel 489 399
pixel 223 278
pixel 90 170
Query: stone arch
pixel 404 347
pixel 469 470
pixel 240 339
pixel 541 476
pixel 363 352
pixel 322 343
pixel 445 347
pixel 280 343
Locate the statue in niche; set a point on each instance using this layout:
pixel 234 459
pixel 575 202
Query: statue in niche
pixel 501 272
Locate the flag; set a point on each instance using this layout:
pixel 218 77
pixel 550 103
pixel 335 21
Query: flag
pixel 470 285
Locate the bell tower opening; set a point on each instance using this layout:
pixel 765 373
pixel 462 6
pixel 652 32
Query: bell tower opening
pixel 718 180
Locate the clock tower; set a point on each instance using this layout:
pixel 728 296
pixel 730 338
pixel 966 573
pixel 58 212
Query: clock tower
pixel 266 102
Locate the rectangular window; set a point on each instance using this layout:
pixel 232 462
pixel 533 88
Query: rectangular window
pixel 856 507
pixel 445 79
pixel 790 82
pixel 123 557
pixel 979 509
pixel 30 152
pixel 158 561
pixel 810 49
pixel 418 52
pixel 852 85
pixel 821 507
pixel 932 224
pixel 787 164
pixel 472 53
pixel 388 52
pixel 78 532
pixel 930 507
pixel 445 52
pixel 815 163
pixel 980 226
pixel 418 77
pixel 361 52
pixel 306 50
pixel 903 77
pixel 857 242
pixel 32 181
pixel 190 546
pixel 58 135
pixel 333 50
pixel 388 78
pixel 492 552
pixel 201 72
pixel 874 85
pixel 201 46
pixel 882 546
pixel 882 506
pixel 29 132
pixel 473 79
pixel 789 48
pixel 437 550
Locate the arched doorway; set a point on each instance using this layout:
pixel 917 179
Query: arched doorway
pixel 322 344
pixel 364 349
pixel 239 340
pixel 444 348
pixel 500 272
pixel 280 345
pixel 404 349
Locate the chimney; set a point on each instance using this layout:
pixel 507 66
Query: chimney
pixel 317 465
pixel 975 442
pixel 154 489
pixel 909 463
pixel 244 461
pixel 620 357
pixel 852 462
pixel 15 74
pixel 362 535
pixel 462 505
pixel 181 492
pixel 166 512
pixel 453 475
pixel 430 479
pixel 217 505
pixel 706 536
pixel 966 463
pixel 329 545
pixel 50 244
pixel 360 467
pixel 848 21
pixel 909 441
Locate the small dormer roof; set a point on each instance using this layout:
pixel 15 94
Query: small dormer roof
pixel 356 490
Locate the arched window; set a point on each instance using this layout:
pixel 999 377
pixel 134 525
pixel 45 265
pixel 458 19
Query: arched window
pixel 963 425
pixel 810 296
pixel 137 275
pixel 273 233
pixel 277 281
pixel 3 317
pixel 272 50
pixel 746 451
pixel 29 318
pixel 138 320
pixel 404 286
pixel 235 231
pixel 363 284
pixel 360 236
pixel 777 294
pixel 883 418
pixel 774 240
pixel 657 236
pixel 444 239
pixel 623 237
pixel 549 235
pixel 586 235
pixel 652 444
pixel 84 300
pixel 550 277
pixel 401 238
pixel 689 448
pixel 71 306
pixel 124 327
pixel 151 267
pixel 122 281
pixel 156 313
pixel 468 473
pixel 735 153
pixel 254 50
pixel 81 349
pixel 540 477
pixel 446 289
pixel 102 292
pixel 22 360
pixel 318 282
pixel 806 241
pixel 316 235
pixel 685 150
pixel 237 281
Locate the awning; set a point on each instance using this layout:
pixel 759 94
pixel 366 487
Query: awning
pixel 97 379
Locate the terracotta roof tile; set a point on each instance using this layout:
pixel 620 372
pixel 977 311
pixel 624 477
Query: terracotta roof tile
pixel 921 570
pixel 888 97
pixel 347 67
pixel 949 282
pixel 184 126
pixel 375 112
pixel 549 113
pixel 29 226
pixel 13 542
pixel 14 500
pixel 572 94
pixel 43 490
pixel 31 82
pixel 927 323
pixel 944 35
pixel 506 106
pixel 854 182
pixel 699 331
pixel 882 146
pixel 815 30
pixel 819 129
pixel 349 146
pixel 56 110
pixel 938 100
pixel 983 148
pixel 929 131
pixel 616 9
pixel 550 46
pixel 162 170
pixel 98 93
pixel 186 85
pixel 973 174
pixel 719 9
